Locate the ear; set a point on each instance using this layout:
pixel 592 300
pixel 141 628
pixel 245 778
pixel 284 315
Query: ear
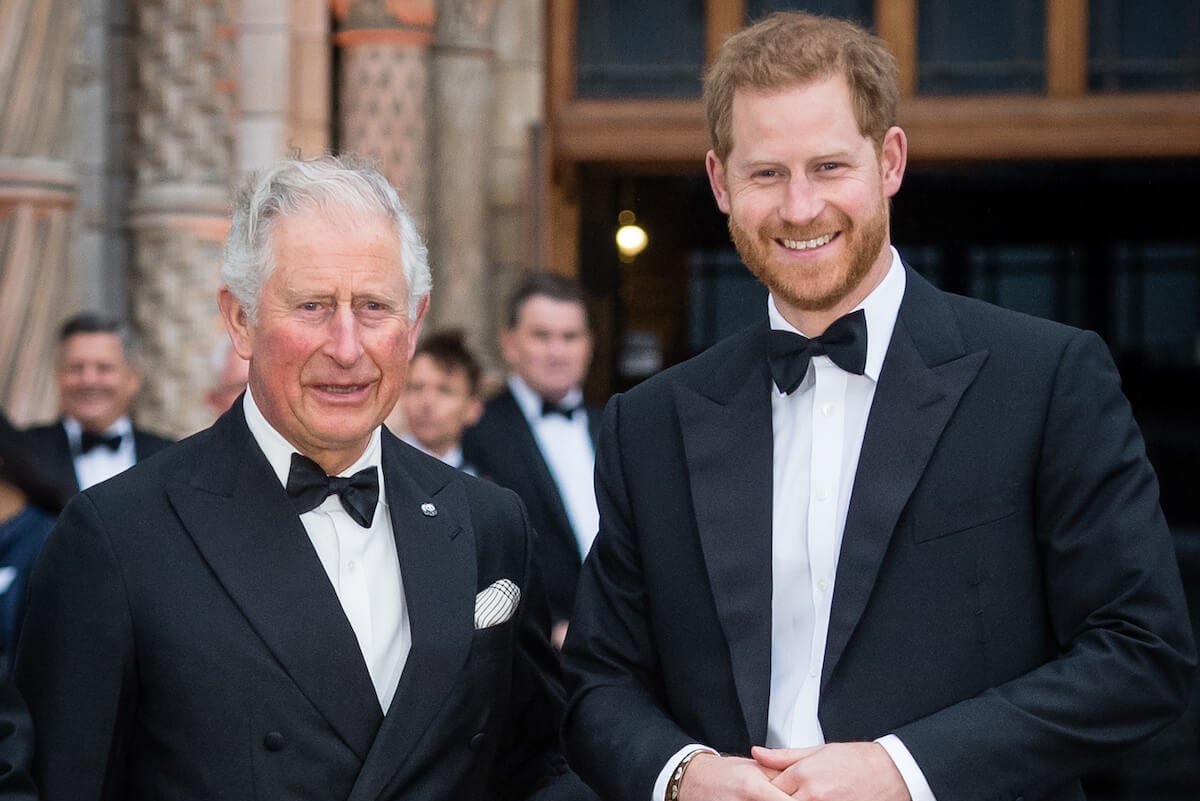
pixel 414 331
pixel 507 351
pixel 893 158
pixel 237 322
pixel 717 180
pixel 473 412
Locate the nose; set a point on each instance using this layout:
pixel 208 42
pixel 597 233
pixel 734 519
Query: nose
pixel 345 338
pixel 801 202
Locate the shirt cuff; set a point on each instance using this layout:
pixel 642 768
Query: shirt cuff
pixel 664 775
pixel 910 772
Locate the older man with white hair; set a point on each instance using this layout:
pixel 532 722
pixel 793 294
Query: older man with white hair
pixel 292 603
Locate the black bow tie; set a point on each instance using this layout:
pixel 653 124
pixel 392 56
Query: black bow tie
pixel 844 342
pixel 90 440
pixel 308 487
pixel 549 407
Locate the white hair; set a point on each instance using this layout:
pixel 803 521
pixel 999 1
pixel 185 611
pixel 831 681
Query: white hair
pixel 329 184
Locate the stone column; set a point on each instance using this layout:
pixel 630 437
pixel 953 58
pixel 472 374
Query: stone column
pixel 383 90
pixel 38 189
pixel 183 169
pixel 462 99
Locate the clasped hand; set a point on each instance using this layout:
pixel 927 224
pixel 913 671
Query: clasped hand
pixel 833 772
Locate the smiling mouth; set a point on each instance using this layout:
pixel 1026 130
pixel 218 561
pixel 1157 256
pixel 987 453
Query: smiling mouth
pixel 339 389
pixel 807 244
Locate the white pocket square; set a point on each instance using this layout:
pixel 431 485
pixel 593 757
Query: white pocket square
pixel 496 603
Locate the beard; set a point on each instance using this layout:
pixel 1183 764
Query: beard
pixel 822 285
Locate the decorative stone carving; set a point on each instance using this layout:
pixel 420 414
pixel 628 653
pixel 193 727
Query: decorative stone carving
pixel 183 168
pixel 37 195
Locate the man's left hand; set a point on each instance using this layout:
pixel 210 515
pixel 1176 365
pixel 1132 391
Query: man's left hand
pixel 835 772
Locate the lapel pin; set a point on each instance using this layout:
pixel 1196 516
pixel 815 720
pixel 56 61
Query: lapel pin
pixel 429 510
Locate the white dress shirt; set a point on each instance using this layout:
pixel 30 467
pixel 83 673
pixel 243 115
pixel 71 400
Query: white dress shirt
pixel 567 448
pixel 100 463
pixel 818 434
pixel 361 562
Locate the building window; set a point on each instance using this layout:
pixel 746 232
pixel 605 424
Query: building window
pixel 1156 295
pixel 633 49
pixel 1144 45
pixel 969 47
pixel 861 11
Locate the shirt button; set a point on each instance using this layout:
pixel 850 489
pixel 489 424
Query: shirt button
pixel 822 494
pixel 350 565
pixel 827 410
pixel 823 585
pixel 812 674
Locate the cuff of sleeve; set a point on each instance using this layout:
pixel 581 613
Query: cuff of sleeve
pixel 910 772
pixel 664 775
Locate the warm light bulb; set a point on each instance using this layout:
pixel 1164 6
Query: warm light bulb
pixel 631 237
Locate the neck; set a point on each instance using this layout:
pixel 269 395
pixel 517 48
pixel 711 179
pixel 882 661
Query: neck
pixel 12 501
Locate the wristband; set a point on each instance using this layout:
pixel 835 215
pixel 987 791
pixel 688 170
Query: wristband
pixel 677 774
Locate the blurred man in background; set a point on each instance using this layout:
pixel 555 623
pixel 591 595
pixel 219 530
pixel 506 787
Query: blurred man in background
pixel 537 437
pixel 441 397
pixel 98 377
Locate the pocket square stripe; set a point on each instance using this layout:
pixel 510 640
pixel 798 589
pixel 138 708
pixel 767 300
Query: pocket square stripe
pixel 496 603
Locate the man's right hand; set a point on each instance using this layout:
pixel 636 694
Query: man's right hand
pixel 723 778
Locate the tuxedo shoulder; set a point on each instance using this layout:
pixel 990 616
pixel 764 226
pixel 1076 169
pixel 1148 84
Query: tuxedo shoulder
pixel 151 441
pixel 43 431
pixel 155 468
pixel 988 323
pixel 728 362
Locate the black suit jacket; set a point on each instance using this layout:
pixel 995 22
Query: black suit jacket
pixel 53 450
pixel 1007 600
pixel 502 447
pixel 183 641
pixel 16 746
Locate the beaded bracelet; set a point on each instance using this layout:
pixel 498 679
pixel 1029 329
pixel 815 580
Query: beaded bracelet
pixel 677 775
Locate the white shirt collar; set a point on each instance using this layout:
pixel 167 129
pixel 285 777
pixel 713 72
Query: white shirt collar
pixel 279 451
pixel 882 307
pixel 531 402
pixel 120 428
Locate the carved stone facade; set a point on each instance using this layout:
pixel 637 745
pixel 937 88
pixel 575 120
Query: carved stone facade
pixel 183 169
pixel 462 99
pixel 127 122
pixel 37 195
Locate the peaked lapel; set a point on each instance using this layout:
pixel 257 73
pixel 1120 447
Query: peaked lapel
pixel 924 375
pixel 438 568
pixel 241 520
pixel 516 422
pixel 61 460
pixel 728 446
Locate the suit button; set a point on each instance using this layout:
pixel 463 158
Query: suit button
pixel 478 741
pixel 273 741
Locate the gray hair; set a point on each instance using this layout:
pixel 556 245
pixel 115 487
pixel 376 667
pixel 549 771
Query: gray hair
pixel 326 184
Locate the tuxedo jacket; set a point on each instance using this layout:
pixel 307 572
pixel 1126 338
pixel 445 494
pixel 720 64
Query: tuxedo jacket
pixel 1006 601
pixel 183 641
pixel 502 447
pixel 53 450
pixel 16 746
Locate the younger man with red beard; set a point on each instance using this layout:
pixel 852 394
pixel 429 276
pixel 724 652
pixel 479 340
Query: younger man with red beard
pixel 887 543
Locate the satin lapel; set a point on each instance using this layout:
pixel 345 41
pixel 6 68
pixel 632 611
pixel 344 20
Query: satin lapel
pixel 924 376
pixel 537 464
pixel 438 568
pixel 728 446
pixel 63 460
pixel 251 537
